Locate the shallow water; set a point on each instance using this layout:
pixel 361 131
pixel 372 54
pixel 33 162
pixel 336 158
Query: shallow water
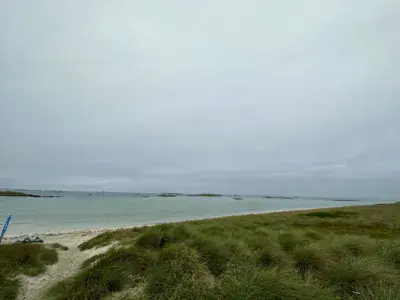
pixel 75 211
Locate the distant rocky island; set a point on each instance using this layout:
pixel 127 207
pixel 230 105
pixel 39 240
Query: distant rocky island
pixel 21 194
pixel 166 195
pixel 278 197
pixel 17 194
pixel 204 195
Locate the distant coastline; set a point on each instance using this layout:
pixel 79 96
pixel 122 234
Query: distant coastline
pixel 204 195
pixel 279 197
pixel 17 194
pixel 21 192
pixel 9 193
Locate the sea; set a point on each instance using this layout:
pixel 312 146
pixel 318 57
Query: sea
pixel 59 211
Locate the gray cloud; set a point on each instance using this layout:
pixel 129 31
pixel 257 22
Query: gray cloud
pixel 293 98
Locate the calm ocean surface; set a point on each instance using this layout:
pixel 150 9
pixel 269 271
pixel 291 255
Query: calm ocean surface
pixel 74 211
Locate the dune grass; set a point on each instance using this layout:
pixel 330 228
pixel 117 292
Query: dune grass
pixel 342 253
pixel 58 246
pixel 27 259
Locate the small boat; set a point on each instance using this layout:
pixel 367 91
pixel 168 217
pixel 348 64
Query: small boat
pixel 236 197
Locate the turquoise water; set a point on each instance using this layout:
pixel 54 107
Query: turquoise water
pixel 75 211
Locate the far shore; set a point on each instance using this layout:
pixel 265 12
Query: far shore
pixel 8 193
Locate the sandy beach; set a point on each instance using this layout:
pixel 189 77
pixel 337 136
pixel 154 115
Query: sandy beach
pixel 69 261
pixel 75 237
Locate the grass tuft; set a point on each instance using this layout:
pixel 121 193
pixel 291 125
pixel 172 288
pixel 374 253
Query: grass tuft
pixel 330 214
pixel 27 259
pixel 58 246
pixel 267 284
pixel 116 269
pixel 273 256
pixel 390 252
pixel 180 274
pixel 8 288
pixel 309 258
pixel 353 274
pixel 215 254
pixel 108 237
pixel 90 261
pixel 289 240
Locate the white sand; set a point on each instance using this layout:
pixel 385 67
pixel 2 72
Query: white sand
pixel 69 262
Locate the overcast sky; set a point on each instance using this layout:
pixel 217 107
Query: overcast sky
pixel 271 97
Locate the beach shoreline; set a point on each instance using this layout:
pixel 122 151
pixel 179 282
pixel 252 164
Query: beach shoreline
pixel 70 237
pixel 99 230
pixel 75 248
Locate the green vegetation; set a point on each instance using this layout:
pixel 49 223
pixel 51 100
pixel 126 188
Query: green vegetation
pixel 342 253
pixel 328 214
pixel 207 195
pixel 27 259
pixel 58 246
pixel 17 194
